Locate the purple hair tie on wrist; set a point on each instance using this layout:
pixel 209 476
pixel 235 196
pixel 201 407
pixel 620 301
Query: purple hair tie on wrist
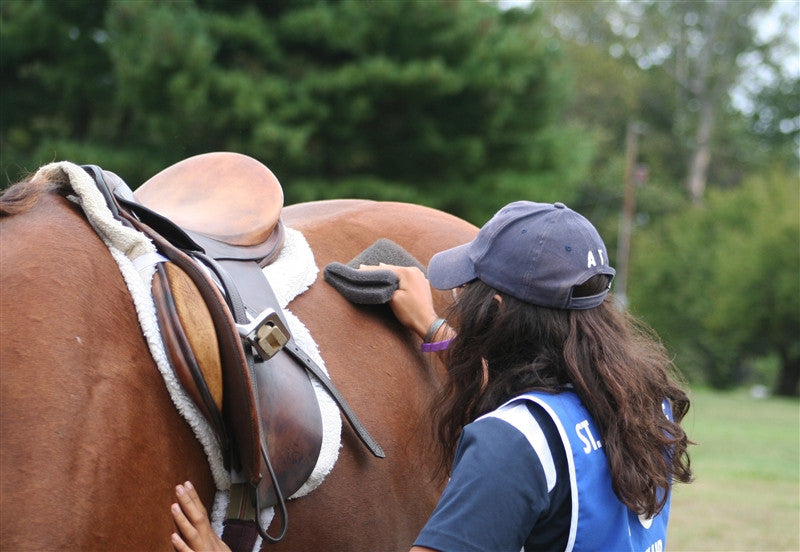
pixel 435 346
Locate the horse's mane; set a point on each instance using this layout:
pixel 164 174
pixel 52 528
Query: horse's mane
pixel 23 195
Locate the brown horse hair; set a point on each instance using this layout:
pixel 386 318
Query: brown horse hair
pixel 614 363
pixel 23 195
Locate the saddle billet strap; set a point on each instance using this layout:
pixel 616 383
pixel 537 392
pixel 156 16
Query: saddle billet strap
pixel 362 433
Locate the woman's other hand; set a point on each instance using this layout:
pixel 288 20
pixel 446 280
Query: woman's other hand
pixel 195 532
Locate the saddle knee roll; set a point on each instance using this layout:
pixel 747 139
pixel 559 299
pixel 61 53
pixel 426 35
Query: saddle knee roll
pixel 190 339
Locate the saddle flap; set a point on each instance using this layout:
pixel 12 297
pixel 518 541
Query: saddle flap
pixel 269 403
pixel 291 424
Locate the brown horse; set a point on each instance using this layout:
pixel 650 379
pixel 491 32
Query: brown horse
pixel 91 445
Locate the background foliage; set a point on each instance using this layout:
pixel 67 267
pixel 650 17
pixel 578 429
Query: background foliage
pixel 464 106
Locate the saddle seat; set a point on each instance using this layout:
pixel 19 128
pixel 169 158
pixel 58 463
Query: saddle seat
pixel 230 198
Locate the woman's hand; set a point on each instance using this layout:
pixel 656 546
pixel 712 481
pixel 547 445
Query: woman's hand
pixel 412 302
pixel 193 524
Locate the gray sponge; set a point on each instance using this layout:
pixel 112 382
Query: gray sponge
pixel 372 287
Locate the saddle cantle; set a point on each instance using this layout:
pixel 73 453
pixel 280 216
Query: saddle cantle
pixel 216 220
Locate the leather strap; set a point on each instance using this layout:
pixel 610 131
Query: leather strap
pixel 371 444
pixel 239 534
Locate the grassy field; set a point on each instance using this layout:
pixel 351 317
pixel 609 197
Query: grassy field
pixel 746 494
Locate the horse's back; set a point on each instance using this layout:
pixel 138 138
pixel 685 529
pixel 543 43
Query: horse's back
pixel 422 230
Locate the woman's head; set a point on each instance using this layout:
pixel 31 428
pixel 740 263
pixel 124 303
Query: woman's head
pixel 535 252
pixel 526 270
pixel 519 346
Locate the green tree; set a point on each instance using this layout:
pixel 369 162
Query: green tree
pixel 56 78
pixel 454 104
pixel 721 282
pixel 683 61
pixel 698 44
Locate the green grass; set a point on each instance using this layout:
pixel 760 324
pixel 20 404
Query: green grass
pixel 746 493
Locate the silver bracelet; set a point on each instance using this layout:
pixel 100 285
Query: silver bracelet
pixel 435 325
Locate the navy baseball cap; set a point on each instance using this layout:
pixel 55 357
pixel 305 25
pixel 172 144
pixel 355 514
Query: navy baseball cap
pixel 536 252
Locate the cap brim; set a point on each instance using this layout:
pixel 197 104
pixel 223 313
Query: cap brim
pixel 451 268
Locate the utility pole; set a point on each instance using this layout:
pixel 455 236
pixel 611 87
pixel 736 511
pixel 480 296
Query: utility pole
pixel 628 210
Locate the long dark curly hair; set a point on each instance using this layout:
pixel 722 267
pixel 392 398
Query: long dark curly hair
pixel 617 366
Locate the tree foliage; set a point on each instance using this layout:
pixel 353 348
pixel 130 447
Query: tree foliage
pixel 682 64
pixel 722 282
pixel 456 102
pixel 654 64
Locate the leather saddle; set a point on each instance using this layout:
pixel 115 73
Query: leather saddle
pixel 215 220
